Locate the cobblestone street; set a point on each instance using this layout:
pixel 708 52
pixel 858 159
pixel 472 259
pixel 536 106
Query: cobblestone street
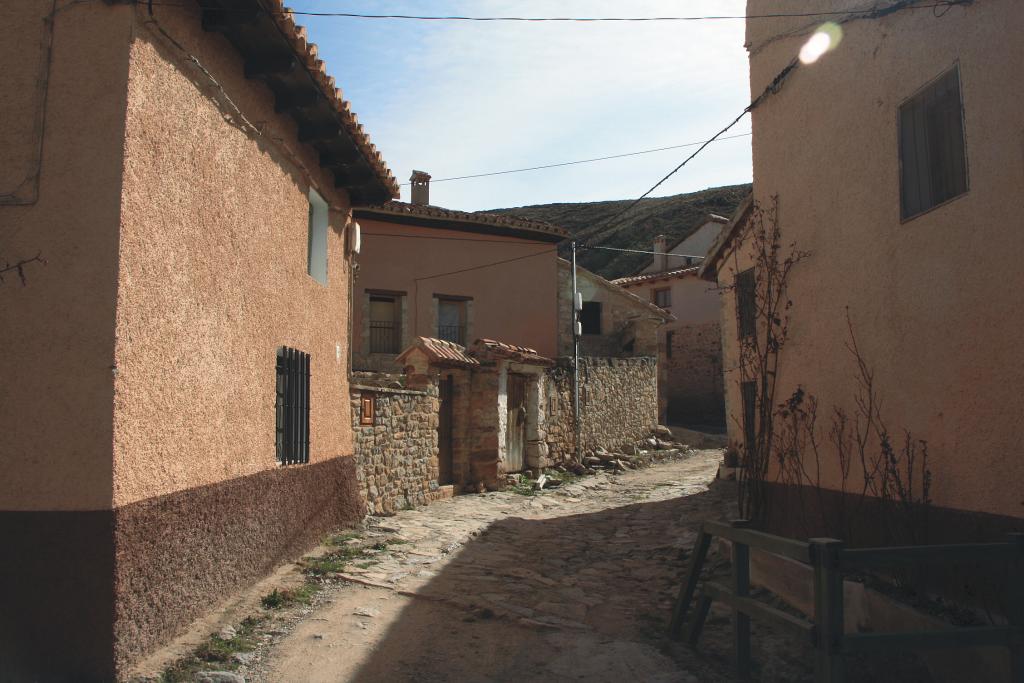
pixel 572 584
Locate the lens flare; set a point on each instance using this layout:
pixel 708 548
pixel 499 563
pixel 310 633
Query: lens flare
pixel 825 39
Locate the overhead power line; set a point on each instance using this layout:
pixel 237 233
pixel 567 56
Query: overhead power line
pixel 581 161
pixel 486 265
pixel 641 251
pixel 869 12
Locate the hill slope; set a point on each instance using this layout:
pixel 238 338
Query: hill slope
pixel 676 216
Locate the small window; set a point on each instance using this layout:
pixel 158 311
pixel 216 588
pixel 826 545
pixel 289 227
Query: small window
pixel 292 406
pixel 933 162
pixel 746 303
pixel 663 297
pixel 590 317
pixel 385 323
pixel 669 338
pixel 451 320
pixel 749 395
pixel 316 264
pixel 366 409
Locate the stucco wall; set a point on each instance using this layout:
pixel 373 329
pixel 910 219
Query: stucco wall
pixel 512 302
pixel 58 331
pixel 934 300
pixel 213 275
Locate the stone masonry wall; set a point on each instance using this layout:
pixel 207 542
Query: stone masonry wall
pixel 618 404
pixel 691 382
pixel 396 456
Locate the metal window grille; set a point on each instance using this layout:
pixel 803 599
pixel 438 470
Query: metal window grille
pixel 746 303
pixel 385 336
pixel 933 161
pixel 292 406
pixel 452 333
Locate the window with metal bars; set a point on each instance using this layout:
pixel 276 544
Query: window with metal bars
pixel 748 391
pixel 746 303
pixel 933 160
pixel 292 406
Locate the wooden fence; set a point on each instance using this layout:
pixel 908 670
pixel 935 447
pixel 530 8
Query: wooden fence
pixel 830 559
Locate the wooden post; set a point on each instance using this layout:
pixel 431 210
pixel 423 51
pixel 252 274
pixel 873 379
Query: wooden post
pixel 700 615
pixel 700 551
pixel 1015 609
pixel 828 610
pixel 741 588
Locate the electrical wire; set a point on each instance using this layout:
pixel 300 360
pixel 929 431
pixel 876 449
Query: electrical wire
pixel 486 265
pixel 587 20
pixel 641 251
pixel 454 239
pixel 581 161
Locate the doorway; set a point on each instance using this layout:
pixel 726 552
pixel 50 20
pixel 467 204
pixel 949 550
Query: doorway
pixel 446 391
pixel 515 440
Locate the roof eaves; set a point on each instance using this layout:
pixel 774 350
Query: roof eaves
pixel 709 268
pixel 439 217
pixel 270 41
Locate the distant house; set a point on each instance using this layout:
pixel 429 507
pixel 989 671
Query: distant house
pixel 904 189
pixel 613 321
pixel 690 352
pixel 476 309
pixel 426 271
pixel 176 380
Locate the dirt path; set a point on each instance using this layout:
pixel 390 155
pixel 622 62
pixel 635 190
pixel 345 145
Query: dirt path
pixel 575 584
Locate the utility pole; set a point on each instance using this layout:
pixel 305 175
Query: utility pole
pixel 577 307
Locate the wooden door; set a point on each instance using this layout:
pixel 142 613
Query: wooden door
pixel 515 442
pixel 444 431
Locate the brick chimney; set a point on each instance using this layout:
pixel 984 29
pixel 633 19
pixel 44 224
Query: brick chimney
pixel 661 248
pixel 420 187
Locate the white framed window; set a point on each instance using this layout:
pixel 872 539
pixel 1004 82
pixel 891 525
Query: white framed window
pixel 316 263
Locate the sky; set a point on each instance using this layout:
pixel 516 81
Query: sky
pixel 459 98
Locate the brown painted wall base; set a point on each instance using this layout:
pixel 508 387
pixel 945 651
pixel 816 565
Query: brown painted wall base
pixel 803 512
pixel 89 593
pixel 56 596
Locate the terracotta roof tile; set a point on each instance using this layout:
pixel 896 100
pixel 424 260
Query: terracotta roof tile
pixel 441 352
pixel 490 349
pixel 634 279
pixel 541 229
pixel 307 53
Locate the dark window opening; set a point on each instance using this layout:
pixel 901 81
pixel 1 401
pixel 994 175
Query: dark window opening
pixel 746 303
pixel 749 392
pixel 385 323
pixel 451 320
pixel 669 337
pixel 663 297
pixel 590 317
pixel 292 406
pixel 933 163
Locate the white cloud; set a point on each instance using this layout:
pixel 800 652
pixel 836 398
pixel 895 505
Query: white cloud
pixel 460 98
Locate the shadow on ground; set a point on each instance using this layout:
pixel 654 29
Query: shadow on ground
pixel 580 597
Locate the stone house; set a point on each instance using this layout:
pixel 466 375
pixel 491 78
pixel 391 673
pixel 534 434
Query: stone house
pixel 505 409
pixel 179 365
pixel 690 378
pixel 614 322
pixel 454 275
pixel 894 162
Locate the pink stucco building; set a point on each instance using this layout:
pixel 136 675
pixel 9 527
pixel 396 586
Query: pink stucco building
pixel 894 162
pixel 188 175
